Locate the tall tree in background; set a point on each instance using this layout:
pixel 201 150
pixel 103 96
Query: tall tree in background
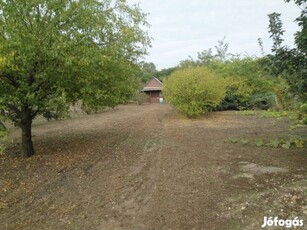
pixel 291 64
pixel 276 31
pixel 55 52
pixel 301 36
pixel 165 72
pixel 148 70
pixel 222 49
pixel 206 57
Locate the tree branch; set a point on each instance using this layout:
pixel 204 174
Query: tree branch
pixel 34 113
pixel 13 108
pixel 12 81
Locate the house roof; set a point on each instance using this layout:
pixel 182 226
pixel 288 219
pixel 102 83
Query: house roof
pixel 153 84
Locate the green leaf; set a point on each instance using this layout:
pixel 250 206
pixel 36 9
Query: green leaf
pixel 286 145
pixel 245 141
pixel 299 143
pixel 232 140
pixel 259 142
pixel 273 143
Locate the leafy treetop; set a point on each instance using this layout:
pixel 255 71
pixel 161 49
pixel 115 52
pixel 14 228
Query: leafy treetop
pixel 55 52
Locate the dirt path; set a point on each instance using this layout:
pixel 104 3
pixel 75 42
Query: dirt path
pixel 146 167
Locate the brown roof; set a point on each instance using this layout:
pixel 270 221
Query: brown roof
pixel 153 84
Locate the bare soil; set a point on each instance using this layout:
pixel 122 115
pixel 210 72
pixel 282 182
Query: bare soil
pixel 148 167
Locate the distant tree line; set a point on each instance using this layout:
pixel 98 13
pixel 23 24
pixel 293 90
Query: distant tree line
pixel 273 81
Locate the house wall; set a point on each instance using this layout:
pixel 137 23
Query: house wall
pixel 154 96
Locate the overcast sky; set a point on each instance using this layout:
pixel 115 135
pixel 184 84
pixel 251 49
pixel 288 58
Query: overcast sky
pixel 181 28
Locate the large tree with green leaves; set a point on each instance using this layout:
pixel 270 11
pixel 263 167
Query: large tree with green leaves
pixel 55 52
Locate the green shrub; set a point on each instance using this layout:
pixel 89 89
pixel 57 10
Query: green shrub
pixel 262 101
pixel 194 91
pixel 302 114
pixel 245 78
pixel 232 100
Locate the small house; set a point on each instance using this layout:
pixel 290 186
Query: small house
pixel 153 89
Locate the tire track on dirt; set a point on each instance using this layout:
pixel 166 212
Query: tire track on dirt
pixel 185 190
pixel 139 179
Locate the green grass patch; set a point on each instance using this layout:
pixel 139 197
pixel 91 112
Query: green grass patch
pixel 232 140
pixel 293 141
pixel 275 114
pixel 258 142
pixel 246 112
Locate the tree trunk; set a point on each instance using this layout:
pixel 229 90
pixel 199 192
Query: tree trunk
pixel 27 145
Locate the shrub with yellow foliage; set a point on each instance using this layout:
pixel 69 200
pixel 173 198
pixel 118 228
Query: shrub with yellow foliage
pixel 194 91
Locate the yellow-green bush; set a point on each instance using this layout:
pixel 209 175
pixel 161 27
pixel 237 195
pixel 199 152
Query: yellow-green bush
pixel 194 91
pixel 302 114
